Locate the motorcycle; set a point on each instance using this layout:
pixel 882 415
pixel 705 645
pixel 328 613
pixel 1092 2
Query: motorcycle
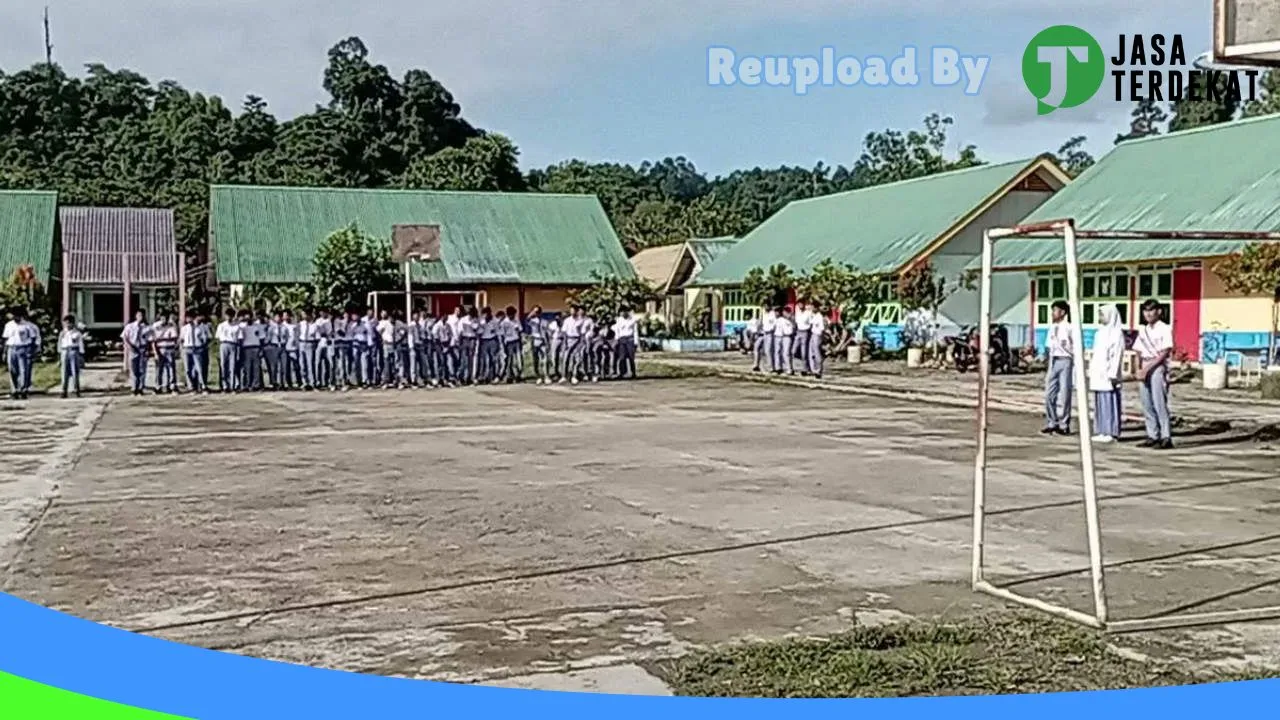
pixel 966 350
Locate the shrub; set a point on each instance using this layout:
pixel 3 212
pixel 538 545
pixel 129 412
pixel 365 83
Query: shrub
pixel 1271 386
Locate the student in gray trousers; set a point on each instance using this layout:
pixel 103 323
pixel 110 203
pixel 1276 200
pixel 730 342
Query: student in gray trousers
pixel 763 350
pixel 538 345
pixel 817 329
pixel 1154 345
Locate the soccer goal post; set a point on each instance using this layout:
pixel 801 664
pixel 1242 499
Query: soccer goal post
pixel 1066 230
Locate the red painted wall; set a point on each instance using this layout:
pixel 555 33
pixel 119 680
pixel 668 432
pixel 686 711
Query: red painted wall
pixel 1186 311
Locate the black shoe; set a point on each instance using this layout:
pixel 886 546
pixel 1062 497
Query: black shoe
pixel 1148 443
pixel 64 396
pixel 1062 431
pixel 1165 444
pixel 1048 431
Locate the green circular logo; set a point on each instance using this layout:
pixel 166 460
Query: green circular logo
pixel 1063 67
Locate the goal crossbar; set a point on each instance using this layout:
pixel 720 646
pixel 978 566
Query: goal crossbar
pixel 1066 229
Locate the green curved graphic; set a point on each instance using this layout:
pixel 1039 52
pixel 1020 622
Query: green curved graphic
pixel 23 699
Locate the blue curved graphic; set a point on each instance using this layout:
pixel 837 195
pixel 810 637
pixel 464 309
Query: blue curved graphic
pixel 61 651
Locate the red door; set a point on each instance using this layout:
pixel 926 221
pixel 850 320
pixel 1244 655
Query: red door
pixel 446 303
pixel 1186 312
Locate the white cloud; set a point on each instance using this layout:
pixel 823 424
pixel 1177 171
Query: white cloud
pixel 479 49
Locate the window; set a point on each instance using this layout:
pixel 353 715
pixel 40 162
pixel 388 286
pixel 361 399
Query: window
pixel 1098 287
pixel 736 307
pixel 1155 282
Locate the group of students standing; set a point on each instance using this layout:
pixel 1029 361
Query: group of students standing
pixel 1153 346
pixel 781 339
pixel 323 350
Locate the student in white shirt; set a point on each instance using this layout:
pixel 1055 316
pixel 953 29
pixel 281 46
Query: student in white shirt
pixel 557 357
pixel 308 338
pixel 784 330
pixel 386 332
pixel 511 334
pixel 71 352
pixel 165 341
pixel 194 339
pixel 324 375
pixel 587 331
pixel 292 357
pixel 539 343
pixel 813 354
pixel 137 338
pixel 1154 345
pixel 1057 381
pixel 468 346
pixel 802 322
pixel 1104 376
pixel 750 333
pixel 443 347
pixel 18 342
pixel 574 346
pixel 764 341
pixel 626 332
pixel 229 336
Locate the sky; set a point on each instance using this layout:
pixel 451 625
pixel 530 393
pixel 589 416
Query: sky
pixel 620 80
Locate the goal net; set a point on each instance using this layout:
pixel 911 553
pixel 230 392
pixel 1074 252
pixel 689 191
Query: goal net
pixel 1065 231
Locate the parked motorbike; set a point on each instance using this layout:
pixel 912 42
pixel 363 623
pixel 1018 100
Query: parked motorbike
pixel 966 349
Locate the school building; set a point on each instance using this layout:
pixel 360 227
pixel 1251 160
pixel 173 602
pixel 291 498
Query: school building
pixel 1223 177
pixel 672 270
pixel 497 249
pixel 888 229
pixel 90 257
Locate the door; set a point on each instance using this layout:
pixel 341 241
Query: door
pixel 1186 312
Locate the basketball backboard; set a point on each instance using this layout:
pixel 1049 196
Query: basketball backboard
pixel 415 242
pixel 1246 32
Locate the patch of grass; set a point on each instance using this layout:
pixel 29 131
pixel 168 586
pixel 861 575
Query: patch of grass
pixel 656 369
pixel 999 654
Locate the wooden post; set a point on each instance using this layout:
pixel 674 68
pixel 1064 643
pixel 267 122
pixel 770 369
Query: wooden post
pixel 126 301
pixel 66 283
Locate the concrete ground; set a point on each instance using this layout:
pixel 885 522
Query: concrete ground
pixel 558 537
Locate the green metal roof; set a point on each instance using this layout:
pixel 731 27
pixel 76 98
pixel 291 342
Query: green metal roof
pixel 707 250
pixel 270 234
pixel 27 221
pixel 1220 177
pixel 875 229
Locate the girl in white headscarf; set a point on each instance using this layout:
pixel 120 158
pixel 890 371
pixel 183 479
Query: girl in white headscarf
pixel 1104 375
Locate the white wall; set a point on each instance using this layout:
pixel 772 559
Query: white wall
pixel 1010 291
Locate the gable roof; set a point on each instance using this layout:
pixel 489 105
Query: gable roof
pixel 27 220
pixel 270 234
pixel 1220 177
pixel 97 238
pixel 656 264
pixel 875 229
pixel 708 250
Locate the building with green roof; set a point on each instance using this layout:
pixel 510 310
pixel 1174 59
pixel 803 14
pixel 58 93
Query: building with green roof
pixel 1221 177
pixel 499 249
pixel 28 219
pixel 672 271
pixel 887 229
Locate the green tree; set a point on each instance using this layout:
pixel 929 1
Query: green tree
pixel 770 286
pixel 485 162
pixel 1255 271
pixel 609 296
pixel 892 155
pixel 1073 157
pixel 1210 108
pixel 1146 119
pixel 349 265
pixel 844 289
pixel 1268 100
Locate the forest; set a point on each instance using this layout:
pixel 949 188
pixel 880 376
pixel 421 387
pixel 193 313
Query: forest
pixel 112 137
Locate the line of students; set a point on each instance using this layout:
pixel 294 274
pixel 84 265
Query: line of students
pixel 1153 345
pixel 324 350
pixel 778 337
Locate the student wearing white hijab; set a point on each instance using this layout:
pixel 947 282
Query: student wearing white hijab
pixel 1104 376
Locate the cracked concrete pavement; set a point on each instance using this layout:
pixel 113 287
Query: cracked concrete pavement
pixel 562 537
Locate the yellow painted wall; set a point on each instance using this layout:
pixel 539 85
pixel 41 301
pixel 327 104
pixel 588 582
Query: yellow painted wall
pixel 552 299
pixel 1222 311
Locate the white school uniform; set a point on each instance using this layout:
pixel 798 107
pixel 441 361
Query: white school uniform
pixel 1152 340
pixel 1060 345
pixel 769 322
pixel 803 320
pixel 71 339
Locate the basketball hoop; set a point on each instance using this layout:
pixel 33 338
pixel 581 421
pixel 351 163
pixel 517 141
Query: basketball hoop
pixel 414 242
